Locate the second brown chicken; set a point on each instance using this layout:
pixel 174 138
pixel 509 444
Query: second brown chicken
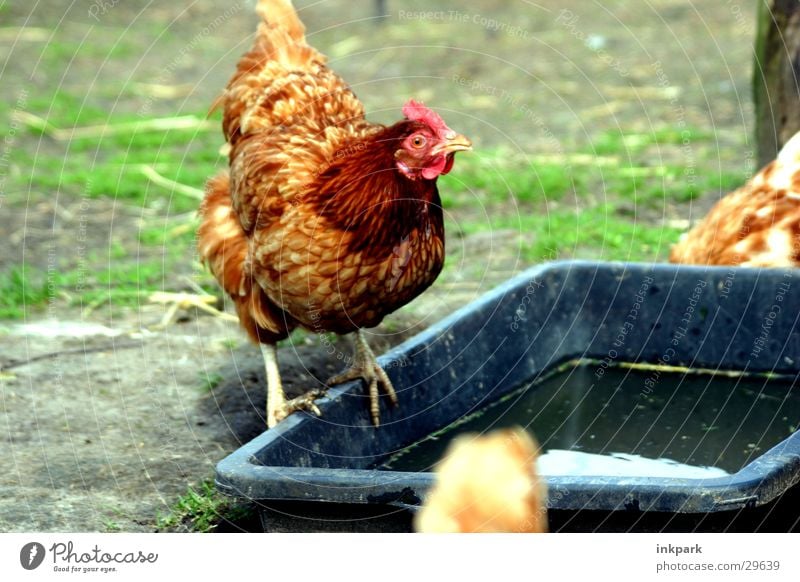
pixel 757 225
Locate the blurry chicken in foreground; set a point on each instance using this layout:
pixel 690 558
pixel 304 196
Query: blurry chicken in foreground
pixel 758 225
pixel 487 484
pixel 325 220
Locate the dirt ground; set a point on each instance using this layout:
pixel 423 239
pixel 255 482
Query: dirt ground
pixel 105 422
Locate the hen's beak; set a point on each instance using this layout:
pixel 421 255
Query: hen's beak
pixel 456 143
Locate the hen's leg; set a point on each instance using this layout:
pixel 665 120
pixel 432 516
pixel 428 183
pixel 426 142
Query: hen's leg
pixel 278 407
pixel 367 367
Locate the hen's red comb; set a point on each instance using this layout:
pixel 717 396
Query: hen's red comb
pixel 416 111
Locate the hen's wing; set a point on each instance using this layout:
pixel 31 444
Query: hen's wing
pixel 285 116
pixel 758 225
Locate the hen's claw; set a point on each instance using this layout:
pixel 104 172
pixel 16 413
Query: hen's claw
pixel 303 402
pixel 366 367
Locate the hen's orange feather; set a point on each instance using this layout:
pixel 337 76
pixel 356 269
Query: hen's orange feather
pixel 487 484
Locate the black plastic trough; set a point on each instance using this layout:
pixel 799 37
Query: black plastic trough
pixel 740 319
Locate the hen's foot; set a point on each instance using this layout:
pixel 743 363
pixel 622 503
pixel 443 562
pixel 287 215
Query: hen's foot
pixel 278 407
pixel 306 401
pixel 367 368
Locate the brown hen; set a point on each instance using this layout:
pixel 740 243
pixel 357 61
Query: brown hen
pixel 757 225
pixel 324 220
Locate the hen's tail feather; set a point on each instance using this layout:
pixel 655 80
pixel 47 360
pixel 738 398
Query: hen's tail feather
pixel 221 241
pixel 223 245
pixel 279 47
pixel 282 15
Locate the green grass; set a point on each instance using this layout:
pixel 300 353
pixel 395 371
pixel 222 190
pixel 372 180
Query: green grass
pixel 19 291
pixel 210 381
pixel 125 283
pixel 64 109
pixel 495 177
pixel 167 234
pixel 58 53
pixel 616 142
pixel 201 510
pixel 605 201
pixel 105 167
pixel 596 233
pixel 628 170
pixel 621 189
pixel 110 165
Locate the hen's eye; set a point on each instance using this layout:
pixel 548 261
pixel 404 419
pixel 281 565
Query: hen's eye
pixel 418 141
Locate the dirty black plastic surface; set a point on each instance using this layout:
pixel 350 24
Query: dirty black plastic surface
pixel 740 319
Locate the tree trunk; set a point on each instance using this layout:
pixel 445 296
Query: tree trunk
pixel 776 75
pixel 381 11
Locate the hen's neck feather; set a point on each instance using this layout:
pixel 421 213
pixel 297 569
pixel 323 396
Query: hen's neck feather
pixel 363 192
